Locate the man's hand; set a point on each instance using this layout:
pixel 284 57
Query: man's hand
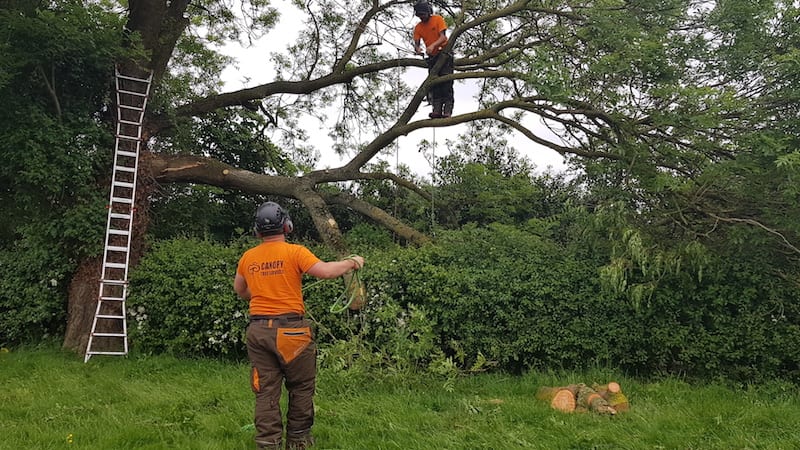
pixel 358 260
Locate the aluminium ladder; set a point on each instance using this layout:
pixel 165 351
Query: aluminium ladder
pixel 109 335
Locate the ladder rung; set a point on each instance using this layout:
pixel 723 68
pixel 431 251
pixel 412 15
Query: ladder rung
pixel 134 108
pixel 124 153
pixel 116 265
pixel 140 94
pixel 123 184
pixel 112 299
pixel 128 77
pixel 109 334
pixel 106 353
pixel 128 137
pixel 125 169
pixel 109 316
pixel 121 200
pixel 120 216
pixel 114 248
pixel 128 122
pixel 113 282
pixel 132 78
pixel 119 232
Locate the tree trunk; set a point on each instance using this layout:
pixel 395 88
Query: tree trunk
pixel 84 289
pixel 83 292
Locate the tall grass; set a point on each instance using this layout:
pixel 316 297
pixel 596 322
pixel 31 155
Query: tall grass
pixel 52 400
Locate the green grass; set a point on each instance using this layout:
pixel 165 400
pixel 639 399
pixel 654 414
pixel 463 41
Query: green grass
pixel 160 402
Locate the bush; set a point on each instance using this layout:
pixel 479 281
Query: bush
pixel 735 323
pixel 182 300
pixel 488 297
pixel 33 280
pixel 502 294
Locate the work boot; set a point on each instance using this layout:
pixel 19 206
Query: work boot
pixel 447 109
pixel 438 106
pixel 270 446
pixel 301 443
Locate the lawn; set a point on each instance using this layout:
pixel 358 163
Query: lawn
pixel 51 400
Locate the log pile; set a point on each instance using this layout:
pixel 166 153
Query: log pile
pixel 605 399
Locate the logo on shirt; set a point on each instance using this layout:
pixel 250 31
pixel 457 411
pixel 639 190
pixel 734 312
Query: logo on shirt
pixel 266 268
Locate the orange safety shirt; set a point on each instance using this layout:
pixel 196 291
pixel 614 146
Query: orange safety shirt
pixel 274 273
pixel 430 31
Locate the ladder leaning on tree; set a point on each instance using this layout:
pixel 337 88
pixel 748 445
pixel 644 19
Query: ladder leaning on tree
pixel 109 335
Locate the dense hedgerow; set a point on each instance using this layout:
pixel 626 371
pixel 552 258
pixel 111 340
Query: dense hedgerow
pixel 33 278
pixel 478 298
pixel 182 300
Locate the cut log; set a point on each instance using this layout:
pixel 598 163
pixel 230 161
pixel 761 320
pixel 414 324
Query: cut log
pixel 612 393
pixel 591 400
pixel 618 401
pixel 560 398
pixel 612 387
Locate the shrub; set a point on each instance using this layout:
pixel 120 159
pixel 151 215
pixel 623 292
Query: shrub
pixel 736 323
pixel 33 280
pixel 502 294
pixel 488 297
pixel 182 300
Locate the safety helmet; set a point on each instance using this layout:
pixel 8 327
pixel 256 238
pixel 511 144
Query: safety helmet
pixel 422 6
pixel 271 219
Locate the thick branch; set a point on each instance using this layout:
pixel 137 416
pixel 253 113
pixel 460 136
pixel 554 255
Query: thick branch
pixel 378 215
pixel 214 102
pixel 197 169
pixel 400 181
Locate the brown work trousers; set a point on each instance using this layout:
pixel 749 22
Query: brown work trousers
pixel 282 349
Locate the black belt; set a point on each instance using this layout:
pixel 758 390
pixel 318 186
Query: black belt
pixel 282 318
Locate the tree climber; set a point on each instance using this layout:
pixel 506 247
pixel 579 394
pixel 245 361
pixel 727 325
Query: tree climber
pixel 433 31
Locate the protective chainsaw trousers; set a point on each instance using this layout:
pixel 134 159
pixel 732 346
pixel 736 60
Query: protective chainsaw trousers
pixel 282 350
pixel 441 94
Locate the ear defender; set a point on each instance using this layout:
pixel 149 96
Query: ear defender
pixel 288 226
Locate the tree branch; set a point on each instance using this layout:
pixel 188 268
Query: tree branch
pixel 759 225
pixel 378 215
pixel 51 88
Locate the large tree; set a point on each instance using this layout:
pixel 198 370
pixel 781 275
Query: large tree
pixel 646 96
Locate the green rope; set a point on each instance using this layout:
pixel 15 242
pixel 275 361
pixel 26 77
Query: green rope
pixel 343 301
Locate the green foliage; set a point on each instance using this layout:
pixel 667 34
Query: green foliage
pixel 513 297
pixel 497 187
pixel 34 275
pixel 736 322
pixel 498 297
pixel 182 300
pixel 56 64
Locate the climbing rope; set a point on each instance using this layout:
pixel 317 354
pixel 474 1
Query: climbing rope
pixel 433 181
pixel 351 290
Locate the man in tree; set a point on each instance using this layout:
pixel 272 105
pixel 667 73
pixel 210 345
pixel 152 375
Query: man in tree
pixel 433 31
pixel 280 344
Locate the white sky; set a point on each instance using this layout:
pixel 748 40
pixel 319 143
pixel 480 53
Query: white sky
pixel 253 68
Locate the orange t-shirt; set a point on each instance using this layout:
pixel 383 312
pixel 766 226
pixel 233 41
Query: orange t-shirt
pixel 430 31
pixel 274 273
